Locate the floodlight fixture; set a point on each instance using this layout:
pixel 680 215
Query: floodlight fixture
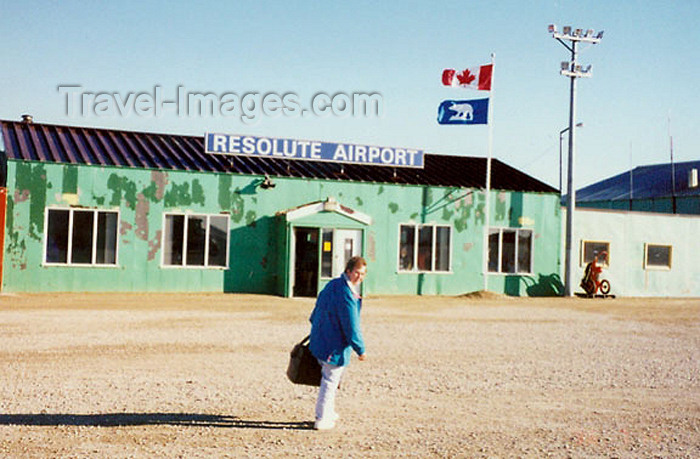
pixel 575 35
pixel 565 65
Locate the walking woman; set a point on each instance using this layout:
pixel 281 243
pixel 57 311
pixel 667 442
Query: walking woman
pixel 335 333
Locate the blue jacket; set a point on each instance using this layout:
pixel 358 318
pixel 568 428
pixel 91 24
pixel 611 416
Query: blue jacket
pixel 335 324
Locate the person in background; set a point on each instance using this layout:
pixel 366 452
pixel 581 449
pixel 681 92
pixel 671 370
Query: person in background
pixel 335 333
pixel 590 282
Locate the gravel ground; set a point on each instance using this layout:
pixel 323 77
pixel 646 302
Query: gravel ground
pixel 132 375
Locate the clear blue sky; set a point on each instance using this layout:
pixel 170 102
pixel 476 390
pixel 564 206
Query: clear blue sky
pixel 645 68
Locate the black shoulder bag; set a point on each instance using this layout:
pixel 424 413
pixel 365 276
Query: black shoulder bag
pixel 303 367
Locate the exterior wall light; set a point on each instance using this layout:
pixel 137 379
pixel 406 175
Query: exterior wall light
pixel 267 183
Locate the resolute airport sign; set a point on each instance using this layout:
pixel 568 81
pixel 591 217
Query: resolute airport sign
pixel 311 150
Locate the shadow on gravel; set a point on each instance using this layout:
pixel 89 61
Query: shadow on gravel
pixel 147 419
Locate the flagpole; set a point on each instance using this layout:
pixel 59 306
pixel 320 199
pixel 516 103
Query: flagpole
pixel 487 209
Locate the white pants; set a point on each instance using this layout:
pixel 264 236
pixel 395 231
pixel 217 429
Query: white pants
pixel 330 378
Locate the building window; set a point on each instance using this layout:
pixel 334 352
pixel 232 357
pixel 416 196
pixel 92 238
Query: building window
pixel 657 256
pixel 510 251
pixel 593 249
pixel 196 240
pixel 425 248
pixel 81 237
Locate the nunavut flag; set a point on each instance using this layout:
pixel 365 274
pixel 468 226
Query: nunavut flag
pixel 463 112
pixel 475 78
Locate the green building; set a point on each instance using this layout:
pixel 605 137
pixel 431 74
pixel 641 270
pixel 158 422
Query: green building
pixel 89 209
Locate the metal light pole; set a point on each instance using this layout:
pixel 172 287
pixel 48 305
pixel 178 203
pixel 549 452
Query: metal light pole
pixel 574 71
pixel 561 137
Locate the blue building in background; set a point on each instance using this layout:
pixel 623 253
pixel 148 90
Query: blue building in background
pixel 670 188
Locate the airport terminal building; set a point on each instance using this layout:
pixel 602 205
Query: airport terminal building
pixel 87 209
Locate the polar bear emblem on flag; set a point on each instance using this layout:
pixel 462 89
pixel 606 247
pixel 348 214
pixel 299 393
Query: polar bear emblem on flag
pixel 463 111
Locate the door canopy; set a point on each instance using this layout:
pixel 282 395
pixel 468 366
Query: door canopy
pixel 329 205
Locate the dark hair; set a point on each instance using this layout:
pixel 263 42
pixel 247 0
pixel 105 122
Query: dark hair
pixel 354 262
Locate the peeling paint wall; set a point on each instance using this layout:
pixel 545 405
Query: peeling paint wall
pixel 140 196
pixel 257 238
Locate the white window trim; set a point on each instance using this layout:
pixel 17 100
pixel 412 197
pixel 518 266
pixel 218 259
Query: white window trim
pixel 415 270
pixel 71 211
pixel 184 264
pixel 657 267
pixel 517 231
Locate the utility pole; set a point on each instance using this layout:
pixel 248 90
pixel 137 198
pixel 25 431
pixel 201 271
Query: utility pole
pixel 574 71
pixel 561 138
pixel 673 167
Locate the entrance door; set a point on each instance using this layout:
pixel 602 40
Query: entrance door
pixel 306 261
pixel 332 247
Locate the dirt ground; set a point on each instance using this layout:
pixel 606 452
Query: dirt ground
pixel 156 375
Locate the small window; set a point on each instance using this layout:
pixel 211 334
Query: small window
pixel 524 251
pixel 657 256
pixel 174 239
pixel 407 247
pixel 425 248
pixel 57 236
pixel 442 248
pixel 593 249
pixel 510 251
pixel 106 238
pixel 218 240
pixel 494 250
pixel 196 240
pixel 81 237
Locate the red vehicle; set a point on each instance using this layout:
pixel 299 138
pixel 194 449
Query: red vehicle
pixel 591 281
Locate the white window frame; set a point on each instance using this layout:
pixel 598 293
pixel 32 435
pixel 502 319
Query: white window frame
pixel 95 220
pixel 499 256
pixel 186 217
pixel 648 266
pixel 417 227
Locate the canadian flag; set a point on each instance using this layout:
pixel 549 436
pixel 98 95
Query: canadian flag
pixel 475 77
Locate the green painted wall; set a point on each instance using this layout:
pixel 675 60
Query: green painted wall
pixel 259 239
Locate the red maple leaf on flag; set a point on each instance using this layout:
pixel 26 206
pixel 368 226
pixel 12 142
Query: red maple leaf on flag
pixel 465 78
